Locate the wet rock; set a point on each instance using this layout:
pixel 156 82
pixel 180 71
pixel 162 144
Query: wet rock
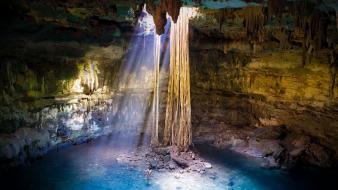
pixel 264 148
pixel 25 143
pixel 167 158
pixel 202 172
pixel 63 131
pixel 193 156
pixel 162 151
pixel 172 166
pixel 181 163
pixel 207 165
pixel 153 164
pixel 195 168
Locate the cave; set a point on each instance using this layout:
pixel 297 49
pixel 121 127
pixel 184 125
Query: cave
pixel 169 94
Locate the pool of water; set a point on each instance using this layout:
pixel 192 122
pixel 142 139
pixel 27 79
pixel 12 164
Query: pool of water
pixel 247 173
pixel 95 166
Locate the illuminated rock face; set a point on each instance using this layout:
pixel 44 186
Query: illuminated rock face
pixel 80 71
pixel 237 98
pixel 251 78
pixel 64 93
pixel 231 110
pixel 72 120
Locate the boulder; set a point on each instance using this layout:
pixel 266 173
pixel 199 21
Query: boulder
pixel 264 148
pixel 172 166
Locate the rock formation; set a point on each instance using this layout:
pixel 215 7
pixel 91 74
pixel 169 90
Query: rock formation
pixel 160 11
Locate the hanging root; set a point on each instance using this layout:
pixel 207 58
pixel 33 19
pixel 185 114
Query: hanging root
pixel 177 130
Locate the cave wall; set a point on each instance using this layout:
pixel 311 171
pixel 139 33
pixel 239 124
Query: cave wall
pixel 60 64
pixel 59 93
pixel 257 92
pixel 230 103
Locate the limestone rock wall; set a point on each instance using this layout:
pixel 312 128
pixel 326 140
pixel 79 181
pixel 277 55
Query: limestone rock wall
pixel 57 93
pixel 234 95
pixel 260 92
pixel 69 120
pixel 60 63
pixel 52 68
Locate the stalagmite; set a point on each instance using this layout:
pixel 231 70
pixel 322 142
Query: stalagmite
pixel 177 130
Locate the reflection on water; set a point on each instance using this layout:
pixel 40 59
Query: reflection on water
pixel 96 166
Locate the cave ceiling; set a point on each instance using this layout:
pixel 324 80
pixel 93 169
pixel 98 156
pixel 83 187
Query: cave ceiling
pixel 312 23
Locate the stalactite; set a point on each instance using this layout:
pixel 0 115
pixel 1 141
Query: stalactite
pixel 276 7
pixel 177 130
pixel 333 70
pixel 254 20
pixel 159 12
pixel 222 17
pixel 314 23
pixel 90 79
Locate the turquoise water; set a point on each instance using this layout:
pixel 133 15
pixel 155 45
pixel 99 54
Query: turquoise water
pixel 94 166
pixel 247 173
pixel 85 166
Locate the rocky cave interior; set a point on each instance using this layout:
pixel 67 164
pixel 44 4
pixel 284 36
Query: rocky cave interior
pixel 169 94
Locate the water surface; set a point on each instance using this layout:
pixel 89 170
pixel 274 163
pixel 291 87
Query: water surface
pixel 96 166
